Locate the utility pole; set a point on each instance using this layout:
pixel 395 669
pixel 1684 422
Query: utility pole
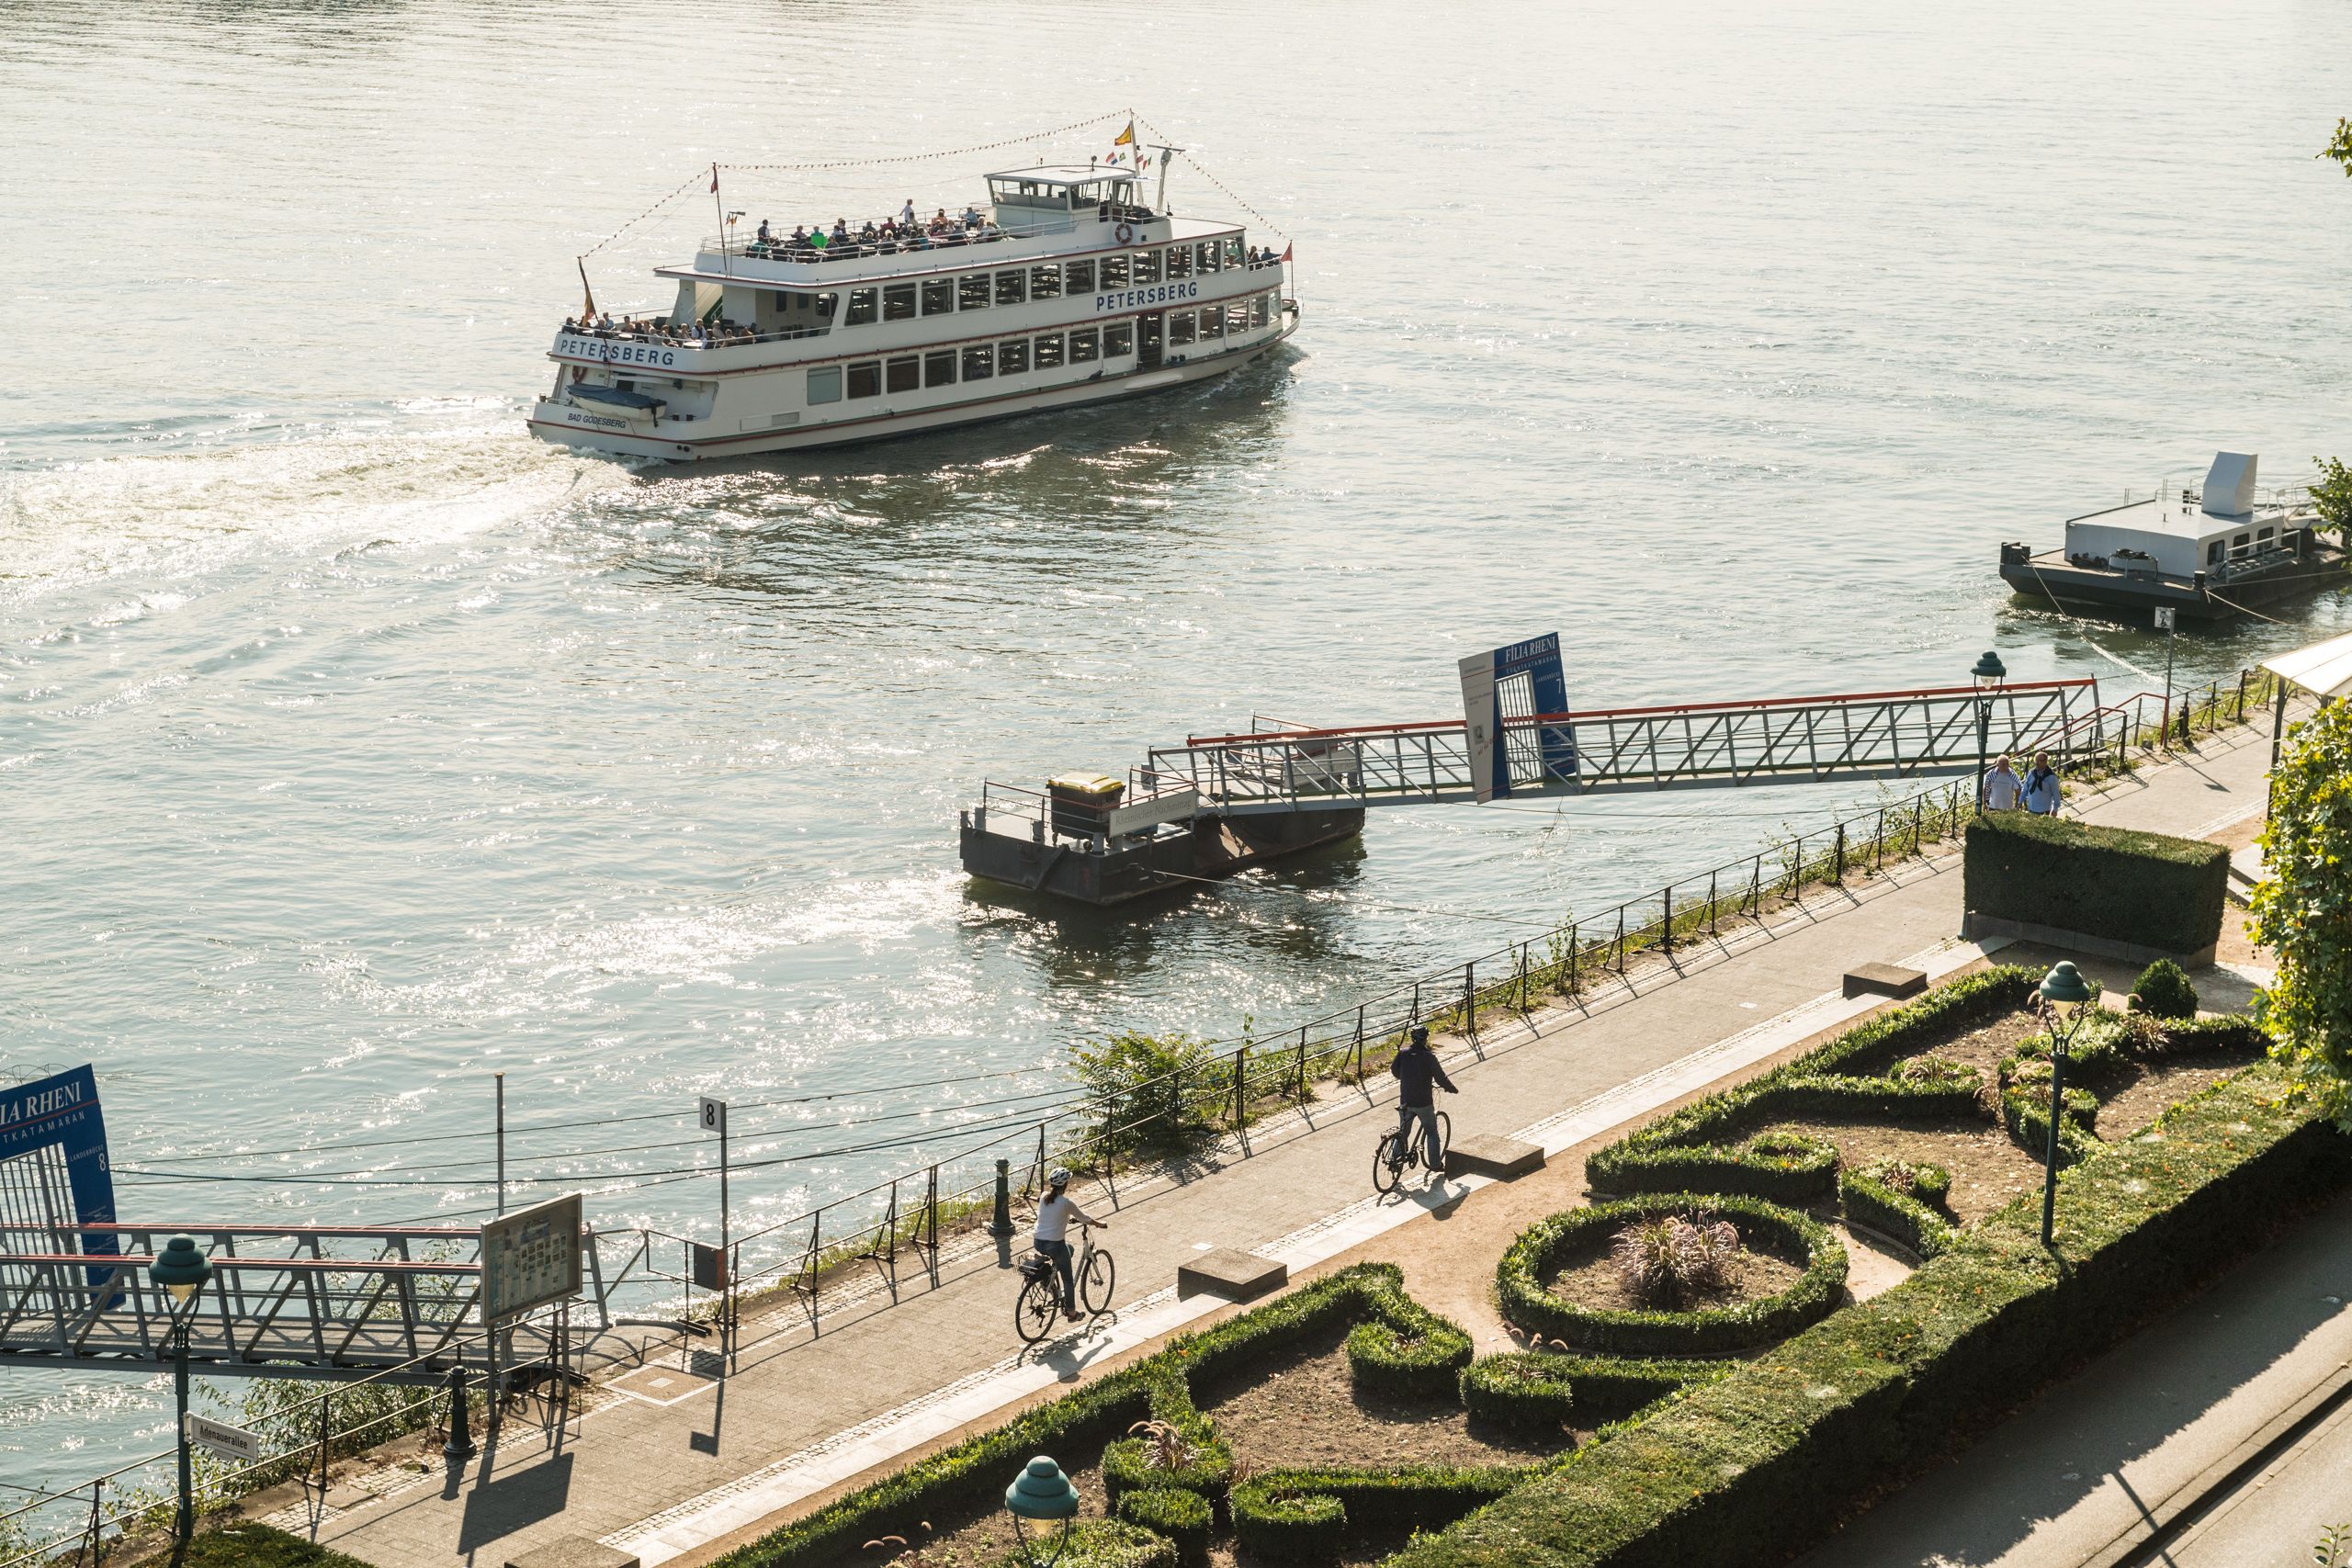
pixel 2165 623
pixel 501 1081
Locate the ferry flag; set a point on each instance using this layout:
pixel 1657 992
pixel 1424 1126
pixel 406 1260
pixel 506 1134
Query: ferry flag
pixel 1285 253
pixel 1125 138
pixel 714 179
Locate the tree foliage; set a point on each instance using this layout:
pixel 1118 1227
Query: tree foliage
pixel 2341 148
pixel 1157 1096
pixel 2302 912
pixel 2332 495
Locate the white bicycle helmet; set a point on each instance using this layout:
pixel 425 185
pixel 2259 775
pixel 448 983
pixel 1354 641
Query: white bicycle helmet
pixel 1058 1177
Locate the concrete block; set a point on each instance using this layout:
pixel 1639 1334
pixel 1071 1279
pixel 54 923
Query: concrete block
pixel 573 1552
pixel 1885 980
pixel 1226 1271
pixel 1484 1154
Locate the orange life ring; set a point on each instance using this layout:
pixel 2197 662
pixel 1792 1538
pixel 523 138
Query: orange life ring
pixel 1124 233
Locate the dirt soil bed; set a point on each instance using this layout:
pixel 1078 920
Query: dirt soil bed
pixel 1985 1048
pixel 1308 1414
pixel 2152 1087
pixel 1592 1281
pixel 1988 1167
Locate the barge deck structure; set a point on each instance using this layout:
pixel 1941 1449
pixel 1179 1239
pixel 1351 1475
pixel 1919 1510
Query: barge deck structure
pixel 2206 553
pixel 1069 291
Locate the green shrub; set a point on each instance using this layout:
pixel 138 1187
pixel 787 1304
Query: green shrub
pixel 1922 1180
pixel 1386 1360
pixel 2166 991
pixel 1288 1524
pixel 1524 1389
pixel 1155 1095
pixel 1750 1469
pixel 1184 1517
pixel 252 1546
pixel 2211 1036
pixel 1107 1544
pixel 1520 1280
pixel 1875 1204
pixel 2146 888
pixel 1183 1453
pixel 1693 1149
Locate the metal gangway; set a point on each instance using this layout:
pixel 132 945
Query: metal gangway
pixel 304 1300
pixel 1929 733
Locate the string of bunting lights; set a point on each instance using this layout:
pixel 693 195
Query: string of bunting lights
pixel 692 180
pixel 927 157
pixel 1194 164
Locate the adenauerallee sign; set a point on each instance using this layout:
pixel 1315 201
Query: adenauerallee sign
pixel 62 1112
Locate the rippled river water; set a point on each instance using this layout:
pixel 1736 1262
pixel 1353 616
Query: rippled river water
pixel 354 747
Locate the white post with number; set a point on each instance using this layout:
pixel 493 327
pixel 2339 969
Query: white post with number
pixel 2164 623
pixel 714 1120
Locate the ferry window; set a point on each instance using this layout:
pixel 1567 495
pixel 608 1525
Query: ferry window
pixel 1046 353
pixel 861 307
pixel 2237 545
pixel 972 292
pixel 2214 552
pixel 1118 340
pixel 1180 327
pixel 1114 272
pixel 1045 282
pixel 979 362
pixel 825 303
pixel 938 296
pixel 1009 287
pixel 902 375
pixel 1012 358
pixel 1212 323
pixel 1233 250
pixel 1236 317
pixel 2262 540
pixel 1179 262
pixel 1085 345
pixel 1078 276
pixel 939 368
pixel 899 303
pixel 1257 309
pixel 1146 268
pixel 1211 253
pixel 825 386
pixel 865 380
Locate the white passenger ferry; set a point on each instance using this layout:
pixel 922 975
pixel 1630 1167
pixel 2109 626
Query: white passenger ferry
pixel 1065 292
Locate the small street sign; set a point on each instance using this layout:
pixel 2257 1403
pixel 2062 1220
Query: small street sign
pixel 2163 617
pixel 709 1270
pixel 220 1437
pixel 714 1115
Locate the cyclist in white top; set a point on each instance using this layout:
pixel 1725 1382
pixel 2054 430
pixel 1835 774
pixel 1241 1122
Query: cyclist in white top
pixel 1054 1213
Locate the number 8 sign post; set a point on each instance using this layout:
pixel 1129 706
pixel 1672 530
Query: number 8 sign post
pixel 714 1120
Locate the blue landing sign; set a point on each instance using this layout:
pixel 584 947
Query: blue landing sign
pixel 54 1122
pixel 1517 683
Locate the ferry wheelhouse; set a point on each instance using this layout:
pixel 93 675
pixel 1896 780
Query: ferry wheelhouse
pixel 1065 291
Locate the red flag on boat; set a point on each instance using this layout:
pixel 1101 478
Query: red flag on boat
pixel 714 179
pixel 1285 253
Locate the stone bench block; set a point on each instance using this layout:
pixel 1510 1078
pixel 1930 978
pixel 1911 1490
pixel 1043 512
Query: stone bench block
pixel 1226 1271
pixel 573 1552
pixel 1885 980
pixel 1484 1154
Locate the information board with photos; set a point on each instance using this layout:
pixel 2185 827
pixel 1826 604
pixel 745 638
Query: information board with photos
pixel 530 1258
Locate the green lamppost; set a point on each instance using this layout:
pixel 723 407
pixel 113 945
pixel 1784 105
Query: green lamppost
pixel 1041 1494
pixel 180 1272
pixel 2069 997
pixel 1985 677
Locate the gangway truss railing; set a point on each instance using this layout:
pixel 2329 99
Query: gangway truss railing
pixel 1867 735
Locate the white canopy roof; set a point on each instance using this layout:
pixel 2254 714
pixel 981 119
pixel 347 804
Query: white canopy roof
pixel 2324 668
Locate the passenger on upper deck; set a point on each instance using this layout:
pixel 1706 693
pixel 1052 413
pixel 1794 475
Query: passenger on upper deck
pixel 799 236
pixel 971 216
pixel 763 231
pixel 939 221
pixel 906 214
pixel 840 230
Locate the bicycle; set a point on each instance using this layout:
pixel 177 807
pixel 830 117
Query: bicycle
pixel 1390 1162
pixel 1039 1307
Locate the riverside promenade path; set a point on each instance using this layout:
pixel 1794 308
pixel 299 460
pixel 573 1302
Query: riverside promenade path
pixel 672 1462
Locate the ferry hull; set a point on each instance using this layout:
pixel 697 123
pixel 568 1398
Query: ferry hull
pixel 2116 593
pixel 567 425
pixel 1126 870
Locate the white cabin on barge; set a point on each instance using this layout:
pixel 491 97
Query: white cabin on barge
pixel 1068 292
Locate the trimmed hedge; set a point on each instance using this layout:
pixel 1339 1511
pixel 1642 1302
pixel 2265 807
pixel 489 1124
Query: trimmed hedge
pixel 1520 1280
pixel 1130 1465
pixel 1184 1517
pixel 1690 1150
pixel 1106 1544
pixel 2148 888
pixel 1303 1516
pixel 2166 990
pixel 1908 1217
pixel 1382 1358
pixel 1750 1469
pixel 1527 1389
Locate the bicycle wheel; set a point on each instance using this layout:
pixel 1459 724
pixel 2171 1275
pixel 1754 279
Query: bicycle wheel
pixel 1387 1165
pixel 1094 1285
pixel 1036 1311
pixel 1444 1140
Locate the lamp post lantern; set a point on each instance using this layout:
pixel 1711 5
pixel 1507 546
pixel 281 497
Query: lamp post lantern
pixel 180 1272
pixel 2069 998
pixel 1987 675
pixel 1041 1494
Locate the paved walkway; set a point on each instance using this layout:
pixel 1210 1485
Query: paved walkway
pixel 674 1462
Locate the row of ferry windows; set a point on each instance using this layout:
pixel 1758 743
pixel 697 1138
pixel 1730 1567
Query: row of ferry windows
pixel 1016 286
pixel 973 362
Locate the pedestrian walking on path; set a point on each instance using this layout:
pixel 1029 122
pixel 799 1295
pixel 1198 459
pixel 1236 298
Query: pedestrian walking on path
pixel 1415 1069
pixel 2041 788
pixel 2001 786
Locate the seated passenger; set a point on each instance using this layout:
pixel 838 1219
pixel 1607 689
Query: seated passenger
pixel 866 235
pixel 840 230
pixel 971 216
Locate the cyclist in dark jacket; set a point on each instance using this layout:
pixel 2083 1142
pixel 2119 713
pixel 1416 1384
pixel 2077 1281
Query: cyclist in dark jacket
pixel 1415 1069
